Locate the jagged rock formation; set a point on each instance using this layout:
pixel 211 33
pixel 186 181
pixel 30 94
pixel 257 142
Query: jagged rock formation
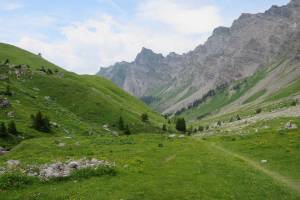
pixel 175 81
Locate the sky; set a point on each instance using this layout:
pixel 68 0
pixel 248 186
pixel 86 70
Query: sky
pixel 82 36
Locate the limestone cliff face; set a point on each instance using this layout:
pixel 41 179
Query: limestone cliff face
pixel 253 41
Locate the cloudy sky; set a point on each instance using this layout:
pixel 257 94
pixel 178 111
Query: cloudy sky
pixel 83 36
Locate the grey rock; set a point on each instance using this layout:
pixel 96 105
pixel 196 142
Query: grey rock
pixel 229 54
pixel 61 144
pixel 11 114
pixel 12 163
pixel 290 126
pixel 4 102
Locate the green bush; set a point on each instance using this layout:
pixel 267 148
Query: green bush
pixel 258 110
pixel 200 128
pixel 90 172
pixel 121 124
pixel 181 125
pixel 127 130
pixel 144 117
pixel 11 128
pixel 14 180
pixel 3 130
pixel 294 103
pixel 164 127
pixel 41 122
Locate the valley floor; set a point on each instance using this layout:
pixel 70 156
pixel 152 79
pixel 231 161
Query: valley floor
pixel 153 166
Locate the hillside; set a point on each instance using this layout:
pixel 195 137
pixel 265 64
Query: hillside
pixel 75 104
pixel 176 81
pixel 269 87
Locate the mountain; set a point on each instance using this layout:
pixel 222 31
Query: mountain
pixel 253 42
pixel 77 104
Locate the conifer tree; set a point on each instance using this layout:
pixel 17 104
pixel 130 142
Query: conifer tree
pixel 3 130
pixel 11 128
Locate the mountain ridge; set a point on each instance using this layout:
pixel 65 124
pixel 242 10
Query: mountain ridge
pixel 229 54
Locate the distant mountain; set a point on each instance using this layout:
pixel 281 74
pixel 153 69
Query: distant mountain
pixel 253 42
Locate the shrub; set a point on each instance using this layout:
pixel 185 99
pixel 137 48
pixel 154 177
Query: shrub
pixel 14 180
pixel 238 117
pixel 219 123
pixel 7 91
pixel 200 128
pixel 231 119
pixel 121 124
pixel 127 130
pixel 144 117
pixel 11 128
pixel 164 127
pixel 3 130
pixel 40 122
pixel 90 172
pixel 6 61
pixel 49 71
pixel 294 103
pixel 181 125
pixel 258 110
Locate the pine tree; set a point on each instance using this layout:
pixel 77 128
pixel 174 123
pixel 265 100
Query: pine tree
pixel 6 61
pixel 181 125
pixel 41 123
pixel 121 124
pixel 238 117
pixel 164 127
pixel 3 130
pixel 144 117
pixel 7 91
pixel 11 128
pixel 127 130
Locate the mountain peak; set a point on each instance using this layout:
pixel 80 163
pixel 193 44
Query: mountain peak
pixel 147 55
pixel 295 3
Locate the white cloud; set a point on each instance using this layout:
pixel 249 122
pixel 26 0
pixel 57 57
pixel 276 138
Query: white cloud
pixel 102 41
pixel 11 6
pixel 182 17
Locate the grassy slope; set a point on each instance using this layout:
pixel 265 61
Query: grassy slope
pixel 230 94
pixel 185 168
pixel 79 104
pixel 291 89
pixel 225 97
pixel 182 169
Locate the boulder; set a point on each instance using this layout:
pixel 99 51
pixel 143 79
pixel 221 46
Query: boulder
pixel 73 165
pixel 11 114
pixel 4 103
pixel 3 151
pixel 12 163
pixel 290 126
pixel 62 144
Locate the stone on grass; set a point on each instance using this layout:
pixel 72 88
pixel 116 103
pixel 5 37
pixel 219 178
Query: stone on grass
pixel 12 163
pixel 62 144
pixel 4 103
pixel 172 136
pixel 290 126
pixel 3 151
pixel 11 114
pixel 263 161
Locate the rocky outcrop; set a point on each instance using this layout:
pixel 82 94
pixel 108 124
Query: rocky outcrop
pixel 4 102
pixel 252 42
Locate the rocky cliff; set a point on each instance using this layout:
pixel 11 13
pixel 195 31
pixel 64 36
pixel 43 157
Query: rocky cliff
pixel 175 81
